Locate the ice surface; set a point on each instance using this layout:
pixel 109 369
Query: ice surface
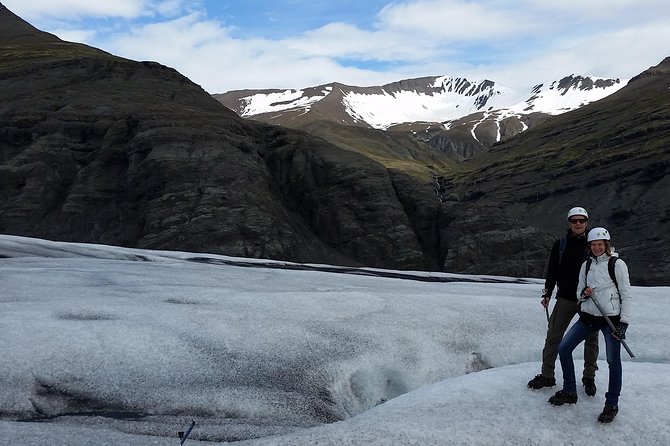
pixel 105 345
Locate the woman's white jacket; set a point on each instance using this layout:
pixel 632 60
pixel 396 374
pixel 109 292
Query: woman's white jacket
pixel 604 290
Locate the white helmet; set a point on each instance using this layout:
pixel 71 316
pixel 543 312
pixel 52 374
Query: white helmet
pixel 578 211
pixel 598 234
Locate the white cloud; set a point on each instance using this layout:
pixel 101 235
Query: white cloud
pixel 600 13
pixel 455 20
pixel 169 7
pixel 33 9
pixel 169 38
pixel 621 53
pixel 75 35
pixel 343 41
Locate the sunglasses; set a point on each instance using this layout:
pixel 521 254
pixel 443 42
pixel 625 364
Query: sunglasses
pixel 574 221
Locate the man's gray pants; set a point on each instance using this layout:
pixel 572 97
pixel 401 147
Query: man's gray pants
pixel 561 316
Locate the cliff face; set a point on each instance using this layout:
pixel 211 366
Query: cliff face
pixel 96 148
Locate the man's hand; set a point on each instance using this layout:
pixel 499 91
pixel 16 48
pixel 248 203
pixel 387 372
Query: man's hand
pixel 546 297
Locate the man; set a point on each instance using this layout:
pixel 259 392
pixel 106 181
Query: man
pixel 565 260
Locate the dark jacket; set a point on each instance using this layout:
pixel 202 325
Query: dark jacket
pixel 566 274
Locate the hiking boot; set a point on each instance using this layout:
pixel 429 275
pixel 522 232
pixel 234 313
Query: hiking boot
pixel 562 397
pixel 541 381
pixel 589 386
pixel 609 412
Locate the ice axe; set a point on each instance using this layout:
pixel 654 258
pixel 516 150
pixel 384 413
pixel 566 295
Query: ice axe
pixel 184 435
pixel 609 322
pixel 546 307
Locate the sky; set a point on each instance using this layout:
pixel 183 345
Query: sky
pixel 105 346
pixel 253 44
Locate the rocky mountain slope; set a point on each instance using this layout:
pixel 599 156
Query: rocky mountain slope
pixel 612 156
pixel 96 148
pixel 456 115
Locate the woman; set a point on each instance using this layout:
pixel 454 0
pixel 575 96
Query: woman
pixel 614 299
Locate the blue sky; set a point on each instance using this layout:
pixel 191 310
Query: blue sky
pixel 237 44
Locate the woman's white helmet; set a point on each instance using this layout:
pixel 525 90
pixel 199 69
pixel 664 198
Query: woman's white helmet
pixel 578 211
pixel 598 234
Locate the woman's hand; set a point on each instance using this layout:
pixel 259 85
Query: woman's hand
pixel 586 292
pixel 620 331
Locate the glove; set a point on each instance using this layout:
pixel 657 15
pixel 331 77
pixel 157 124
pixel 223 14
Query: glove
pixel 620 332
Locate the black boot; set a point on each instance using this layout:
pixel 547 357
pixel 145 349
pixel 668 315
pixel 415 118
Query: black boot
pixel 562 397
pixel 609 412
pixel 541 381
pixel 589 386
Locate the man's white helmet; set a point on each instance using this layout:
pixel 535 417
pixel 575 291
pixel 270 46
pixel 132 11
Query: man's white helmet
pixel 598 234
pixel 577 211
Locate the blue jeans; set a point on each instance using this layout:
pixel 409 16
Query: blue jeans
pixel 573 338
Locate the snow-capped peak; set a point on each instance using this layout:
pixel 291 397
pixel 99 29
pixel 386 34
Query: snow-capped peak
pixel 279 100
pixel 569 93
pixel 437 99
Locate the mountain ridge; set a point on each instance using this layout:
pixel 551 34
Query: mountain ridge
pixel 444 93
pixel 453 114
